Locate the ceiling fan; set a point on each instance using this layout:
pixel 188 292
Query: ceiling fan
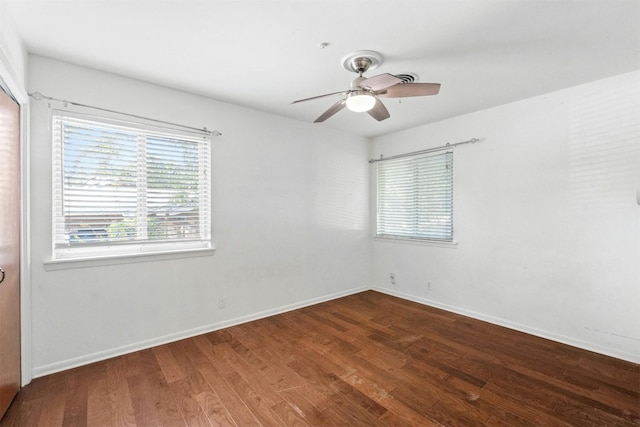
pixel 364 93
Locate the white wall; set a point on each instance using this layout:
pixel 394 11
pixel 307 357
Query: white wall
pixel 545 216
pixel 290 213
pixel 13 56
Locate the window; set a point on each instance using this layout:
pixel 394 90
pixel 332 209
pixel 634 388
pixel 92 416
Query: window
pixel 415 197
pixel 123 188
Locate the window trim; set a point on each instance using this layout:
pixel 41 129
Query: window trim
pixel 422 242
pixel 137 251
pixel 106 260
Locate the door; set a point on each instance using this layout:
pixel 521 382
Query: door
pixel 9 250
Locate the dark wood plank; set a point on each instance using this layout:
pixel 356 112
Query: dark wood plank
pixel 98 407
pixel 214 410
pixel 75 408
pixel 170 368
pixel 54 405
pixel 212 372
pixel 145 388
pixel 120 403
pixel 187 404
pixel 366 359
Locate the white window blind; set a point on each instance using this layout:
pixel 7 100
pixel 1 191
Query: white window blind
pixel 415 197
pixel 123 188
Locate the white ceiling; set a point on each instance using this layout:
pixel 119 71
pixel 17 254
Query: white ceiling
pixel 265 54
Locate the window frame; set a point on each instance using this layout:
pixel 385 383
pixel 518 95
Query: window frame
pixel 118 252
pixel 414 238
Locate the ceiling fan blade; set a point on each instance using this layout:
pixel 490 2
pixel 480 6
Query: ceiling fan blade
pixel 320 96
pixel 379 82
pixel 379 111
pixel 331 111
pixel 410 89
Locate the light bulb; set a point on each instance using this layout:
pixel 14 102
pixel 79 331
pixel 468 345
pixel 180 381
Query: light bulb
pixel 360 101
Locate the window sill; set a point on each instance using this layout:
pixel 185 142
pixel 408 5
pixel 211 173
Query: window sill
pixel 98 261
pixel 434 243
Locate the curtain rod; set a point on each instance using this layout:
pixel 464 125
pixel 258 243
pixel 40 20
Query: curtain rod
pixel 428 150
pixel 39 97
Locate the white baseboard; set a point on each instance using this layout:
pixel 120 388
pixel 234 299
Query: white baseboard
pixel 40 371
pixel 574 342
pixel 75 362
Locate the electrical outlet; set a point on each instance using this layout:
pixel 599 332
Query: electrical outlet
pixel 221 303
pixel 392 278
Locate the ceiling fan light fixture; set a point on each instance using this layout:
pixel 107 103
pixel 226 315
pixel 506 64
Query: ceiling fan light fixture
pixel 360 101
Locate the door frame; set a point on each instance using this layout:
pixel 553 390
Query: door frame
pixel 12 82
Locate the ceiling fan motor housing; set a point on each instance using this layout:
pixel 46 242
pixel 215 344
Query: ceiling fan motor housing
pixel 360 65
pixel 361 61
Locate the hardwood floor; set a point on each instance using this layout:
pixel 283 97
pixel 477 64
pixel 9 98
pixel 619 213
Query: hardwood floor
pixel 366 359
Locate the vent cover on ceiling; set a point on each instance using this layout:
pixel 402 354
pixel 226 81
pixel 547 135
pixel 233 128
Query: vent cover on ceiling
pixel 407 77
